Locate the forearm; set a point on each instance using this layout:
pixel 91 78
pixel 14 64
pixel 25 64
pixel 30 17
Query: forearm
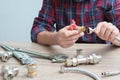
pixel 47 38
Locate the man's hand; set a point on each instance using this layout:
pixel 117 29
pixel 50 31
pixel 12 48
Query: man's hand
pixel 107 31
pixel 66 38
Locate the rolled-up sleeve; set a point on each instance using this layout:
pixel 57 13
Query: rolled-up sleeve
pixel 44 21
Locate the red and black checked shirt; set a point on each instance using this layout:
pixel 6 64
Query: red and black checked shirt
pixel 56 14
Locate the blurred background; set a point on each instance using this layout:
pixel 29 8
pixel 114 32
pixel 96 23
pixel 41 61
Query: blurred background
pixel 16 19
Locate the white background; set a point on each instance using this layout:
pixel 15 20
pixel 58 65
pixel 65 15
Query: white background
pixel 16 19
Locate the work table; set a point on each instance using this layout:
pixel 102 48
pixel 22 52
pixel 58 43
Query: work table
pixel 50 71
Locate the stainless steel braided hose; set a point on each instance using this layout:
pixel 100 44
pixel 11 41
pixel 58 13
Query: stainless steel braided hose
pixel 79 70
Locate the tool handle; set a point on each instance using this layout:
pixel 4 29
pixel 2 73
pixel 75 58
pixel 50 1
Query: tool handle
pixel 73 26
pixel 23 58
pixel 36 54
pixel 6 48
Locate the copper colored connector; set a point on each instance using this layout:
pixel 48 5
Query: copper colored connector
pixel 32 70
pixel 81 28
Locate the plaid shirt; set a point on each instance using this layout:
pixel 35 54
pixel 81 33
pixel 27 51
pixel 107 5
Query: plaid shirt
pixel 56 14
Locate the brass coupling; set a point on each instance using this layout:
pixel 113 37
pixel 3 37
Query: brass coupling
pixel 32 70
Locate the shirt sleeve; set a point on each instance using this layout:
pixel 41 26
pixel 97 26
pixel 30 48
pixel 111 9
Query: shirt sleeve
pixel 113 12
pixel 44 21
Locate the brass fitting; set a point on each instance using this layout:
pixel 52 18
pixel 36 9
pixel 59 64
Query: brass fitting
pixel 81 28
pixel 32 70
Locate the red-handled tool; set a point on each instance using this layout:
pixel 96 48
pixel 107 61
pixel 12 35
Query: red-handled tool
pixel 73 26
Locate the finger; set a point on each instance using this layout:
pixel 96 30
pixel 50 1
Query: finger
pixel 68 27
pixel 74 37
pixel 113 35
pixel 66 44
pixel 69 33
pixel 108 31
pixel 69 41
pixel 103 29
pixel 98 28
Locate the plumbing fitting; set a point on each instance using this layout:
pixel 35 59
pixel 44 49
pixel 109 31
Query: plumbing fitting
pixel 90 59
pixel 110 73
pixel 79 70
pixel 81 28
pixel 89 30
pixel 9 72
pixel 78 51
pixel 32 70
pixel 5 56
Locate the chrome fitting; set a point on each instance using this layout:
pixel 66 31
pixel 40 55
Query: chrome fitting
pixel 9 72
pixel 78 51
pixel 5 55
pixel 90 30
pixel 93 59
pixel 110 73
pixel 90 59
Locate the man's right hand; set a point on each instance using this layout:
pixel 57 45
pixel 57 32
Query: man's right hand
pixel 67 38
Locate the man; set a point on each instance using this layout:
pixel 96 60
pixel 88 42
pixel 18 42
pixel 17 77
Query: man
pixel 103 15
